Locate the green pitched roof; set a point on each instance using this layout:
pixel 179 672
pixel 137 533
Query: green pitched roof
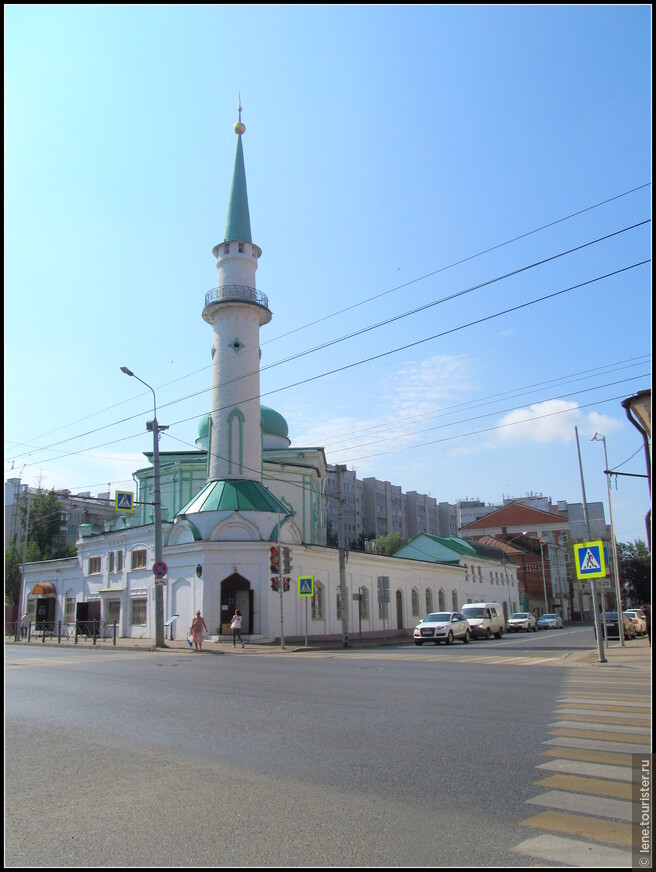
pixel 233 495
pixel 238 222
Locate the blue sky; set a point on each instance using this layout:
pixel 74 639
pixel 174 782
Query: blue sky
pixel 396 156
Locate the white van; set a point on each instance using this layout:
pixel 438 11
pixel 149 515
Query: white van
pixel 485 619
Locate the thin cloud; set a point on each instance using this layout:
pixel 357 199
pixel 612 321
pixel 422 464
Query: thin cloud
pixel 552 421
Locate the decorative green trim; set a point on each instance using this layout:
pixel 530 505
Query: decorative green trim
pixel 236 413
pixel 237 345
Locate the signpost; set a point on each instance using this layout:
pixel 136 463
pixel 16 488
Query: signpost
pixel 306 590
pixel 159 571
pixel 124 501
pixel 590 564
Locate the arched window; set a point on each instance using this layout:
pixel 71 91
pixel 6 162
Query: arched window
pixel 415 602
pixel 364 604
pixel 236 441
pixel 317 601
pixel 442 600
pixel 429 600
pixel 454 600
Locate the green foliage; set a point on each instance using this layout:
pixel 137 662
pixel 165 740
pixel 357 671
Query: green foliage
pixel 390 544
pixel 44 523
pixel 13 561
pixel 634 566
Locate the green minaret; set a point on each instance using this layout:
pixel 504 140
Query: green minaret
pixel 238 222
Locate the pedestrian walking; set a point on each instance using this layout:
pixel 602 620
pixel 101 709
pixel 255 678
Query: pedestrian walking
pixel 646 610
pixel 235 626
pixel 197 626
pixel 24 624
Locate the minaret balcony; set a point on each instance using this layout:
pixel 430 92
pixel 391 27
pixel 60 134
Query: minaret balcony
pixel 236 294
pixel 239 293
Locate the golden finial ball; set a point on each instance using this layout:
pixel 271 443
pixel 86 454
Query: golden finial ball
pixel 239 128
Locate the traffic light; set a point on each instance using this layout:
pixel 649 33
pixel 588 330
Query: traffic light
pixel 285 583
pixel 275 585
pixel 274 561
pixel 286 560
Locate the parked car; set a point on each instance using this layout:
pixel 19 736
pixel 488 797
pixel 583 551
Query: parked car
pixel 521 621
pixel 639 621
pixel 612 626
pixel 550 622
pixel 485 619
pixel 442 627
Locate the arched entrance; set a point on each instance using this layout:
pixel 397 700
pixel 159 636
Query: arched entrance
pixel 236 593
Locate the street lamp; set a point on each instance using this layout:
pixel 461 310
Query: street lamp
pixel 509 542
pixel 159 592
pixel 544 577
pixel 599 438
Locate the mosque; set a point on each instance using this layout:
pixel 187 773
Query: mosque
pixel 245 491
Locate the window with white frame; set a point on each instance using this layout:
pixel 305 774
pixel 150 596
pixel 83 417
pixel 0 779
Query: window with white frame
pixel 138 557
pixel 94 566
pixel 429 600
pixel 454 600
pixel 364 604
pixel 442 600
pixel 415 601
pixel 113 611
pixel 138 611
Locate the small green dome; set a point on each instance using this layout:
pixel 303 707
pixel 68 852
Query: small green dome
pixel 272 423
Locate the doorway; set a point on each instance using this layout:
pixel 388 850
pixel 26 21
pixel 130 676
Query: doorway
pixel 236 593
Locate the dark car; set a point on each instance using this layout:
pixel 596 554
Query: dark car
pixel 613 629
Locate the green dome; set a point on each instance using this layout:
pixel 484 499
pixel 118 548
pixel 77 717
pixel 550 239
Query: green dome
pixel 272 423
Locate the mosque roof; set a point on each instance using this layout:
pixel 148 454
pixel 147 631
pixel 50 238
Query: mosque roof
pixel 233 495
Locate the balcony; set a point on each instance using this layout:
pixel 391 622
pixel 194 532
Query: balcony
pixel 236 293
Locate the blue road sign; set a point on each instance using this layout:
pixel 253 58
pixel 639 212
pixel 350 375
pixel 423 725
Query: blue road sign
pixel 589 557
pixel 124 501
pixel 306 585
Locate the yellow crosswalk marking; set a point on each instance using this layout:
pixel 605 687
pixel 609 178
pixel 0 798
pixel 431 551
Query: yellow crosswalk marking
pixel 599 829
pixel 598 734
pixel 590 756
pixel 581 784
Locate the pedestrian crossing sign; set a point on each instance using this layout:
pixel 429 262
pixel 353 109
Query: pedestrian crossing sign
pixel 124 501
pixel 306 585
pixel 590 562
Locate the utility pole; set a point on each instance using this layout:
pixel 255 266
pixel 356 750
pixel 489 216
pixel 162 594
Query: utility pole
pixel 23 595
pixel 593 589
pixel 342 561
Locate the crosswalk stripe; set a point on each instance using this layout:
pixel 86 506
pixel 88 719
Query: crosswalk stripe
pixel 633 729
pixel 599 734
pixel 574 852
pixel 632 717
pixel 580 784
pixel 575 742
pixel 612 758
pixel 605 701
pixel 580 803
pixel 611 832
pixel 581 767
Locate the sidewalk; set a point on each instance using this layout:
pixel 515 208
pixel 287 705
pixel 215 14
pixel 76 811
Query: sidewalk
pixel 636 654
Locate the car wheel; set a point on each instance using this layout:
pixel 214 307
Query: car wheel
pixel 449 638
pixel 499 635
pixel 465 638
pixel 418 643
pixel 487 633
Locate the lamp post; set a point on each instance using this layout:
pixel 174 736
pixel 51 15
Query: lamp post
pixel 544 577
pixel 159 591
pixel 599 438
pixel 509 542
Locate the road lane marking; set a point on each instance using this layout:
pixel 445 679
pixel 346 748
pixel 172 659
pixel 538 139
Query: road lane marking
pixel 610 832
pixel 573 852
pixel 581 767
pixel 633 729
pixel 580 803
pixel 580 784
pixel 622 758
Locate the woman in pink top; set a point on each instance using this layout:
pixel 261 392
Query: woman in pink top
pixel 197 626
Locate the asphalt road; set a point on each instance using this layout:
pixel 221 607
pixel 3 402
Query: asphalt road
pixel 412 756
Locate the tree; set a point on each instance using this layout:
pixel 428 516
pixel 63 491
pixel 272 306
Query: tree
pixel 390 544
pixel 44 522
pixel 634 569
pixel 13 560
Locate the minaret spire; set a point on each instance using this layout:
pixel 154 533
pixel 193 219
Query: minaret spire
pixel 238 222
